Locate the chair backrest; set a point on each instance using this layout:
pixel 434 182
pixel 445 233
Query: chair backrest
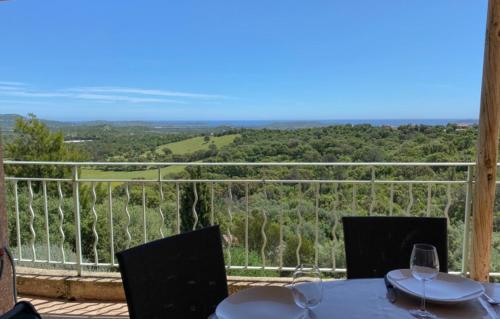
pixel 377 245
pixel 182 276
pixel 21 310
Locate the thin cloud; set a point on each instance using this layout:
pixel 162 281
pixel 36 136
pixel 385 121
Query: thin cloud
pixel 150 92
pixel 121 98
pixel 22 102
pixel 32 94
pixel 102 94
pixel 11 83
pixel 4 87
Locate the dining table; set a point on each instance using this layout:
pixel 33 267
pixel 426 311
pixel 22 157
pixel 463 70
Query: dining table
pixel 368 299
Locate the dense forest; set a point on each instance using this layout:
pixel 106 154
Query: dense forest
pixel 280 223
pixel 349 143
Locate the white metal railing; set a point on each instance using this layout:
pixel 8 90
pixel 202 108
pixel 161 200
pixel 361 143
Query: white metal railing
pixel 224 207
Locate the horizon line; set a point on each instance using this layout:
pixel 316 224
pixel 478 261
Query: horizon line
pixel 259 120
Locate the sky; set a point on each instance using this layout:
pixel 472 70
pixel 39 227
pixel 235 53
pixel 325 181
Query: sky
pixel 241 60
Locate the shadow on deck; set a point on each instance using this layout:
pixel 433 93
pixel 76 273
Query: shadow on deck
pixel 59 309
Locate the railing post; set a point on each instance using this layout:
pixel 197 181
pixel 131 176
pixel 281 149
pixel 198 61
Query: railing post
pixel 32 221
pixel 178 207
pixel 46 211
pixel 162 198
pixel 76 210
pixel 144 220
pixel 372 193
pixel 316 224
pixel 61 220
pixel 391 199
pixel 467 217
pixel 18 223
pixel 127 212
pixel 111 223
pixel 247 214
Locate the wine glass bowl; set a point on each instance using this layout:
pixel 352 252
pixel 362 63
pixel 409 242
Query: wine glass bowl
pixel 307 288
pixel 424 265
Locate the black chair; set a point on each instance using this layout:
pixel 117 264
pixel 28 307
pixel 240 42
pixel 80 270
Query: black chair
pixel 182 276
pixel 376 245
pixel 21 309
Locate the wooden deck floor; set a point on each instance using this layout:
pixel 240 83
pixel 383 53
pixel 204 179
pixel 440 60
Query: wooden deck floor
pixel 59 309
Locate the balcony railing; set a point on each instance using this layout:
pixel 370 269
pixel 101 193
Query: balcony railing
pixel 284 214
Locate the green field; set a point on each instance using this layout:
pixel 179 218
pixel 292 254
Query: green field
pixel 197 144
pixel 182 147
pixel 143 174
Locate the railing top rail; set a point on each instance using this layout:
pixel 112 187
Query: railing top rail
pixel 236 181
pixel 164 164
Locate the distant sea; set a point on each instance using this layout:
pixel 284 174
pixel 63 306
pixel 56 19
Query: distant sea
pixel 7 122
pixel 313 123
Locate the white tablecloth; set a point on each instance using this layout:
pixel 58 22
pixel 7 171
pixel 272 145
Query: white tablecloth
pixel 366 299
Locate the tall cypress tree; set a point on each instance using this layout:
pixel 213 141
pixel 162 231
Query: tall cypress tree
pixel 188 198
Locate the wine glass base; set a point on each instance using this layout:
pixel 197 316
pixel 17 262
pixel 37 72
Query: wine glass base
pixel 308 314
pixel 422 314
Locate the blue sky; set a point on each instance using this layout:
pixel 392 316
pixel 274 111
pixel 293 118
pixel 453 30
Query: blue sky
pixel 236 60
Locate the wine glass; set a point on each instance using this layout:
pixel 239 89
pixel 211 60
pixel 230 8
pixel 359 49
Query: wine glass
pixel 424 265
pixel 307 288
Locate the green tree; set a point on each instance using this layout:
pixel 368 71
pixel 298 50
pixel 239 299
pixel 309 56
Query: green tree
pixel 202 204
pixel 33 141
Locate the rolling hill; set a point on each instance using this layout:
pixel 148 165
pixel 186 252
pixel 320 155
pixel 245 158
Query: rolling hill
pixel 197 144
pixel 187 146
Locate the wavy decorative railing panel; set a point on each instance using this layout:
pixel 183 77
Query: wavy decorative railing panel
pixel 268 224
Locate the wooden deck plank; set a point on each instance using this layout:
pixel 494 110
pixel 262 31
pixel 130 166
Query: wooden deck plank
pixel 62 309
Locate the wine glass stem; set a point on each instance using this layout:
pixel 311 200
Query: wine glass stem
pixel 307 314
pixel 422 306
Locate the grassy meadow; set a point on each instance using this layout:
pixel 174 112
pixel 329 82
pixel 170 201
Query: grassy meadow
pixel 197 144
pixel 183 147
